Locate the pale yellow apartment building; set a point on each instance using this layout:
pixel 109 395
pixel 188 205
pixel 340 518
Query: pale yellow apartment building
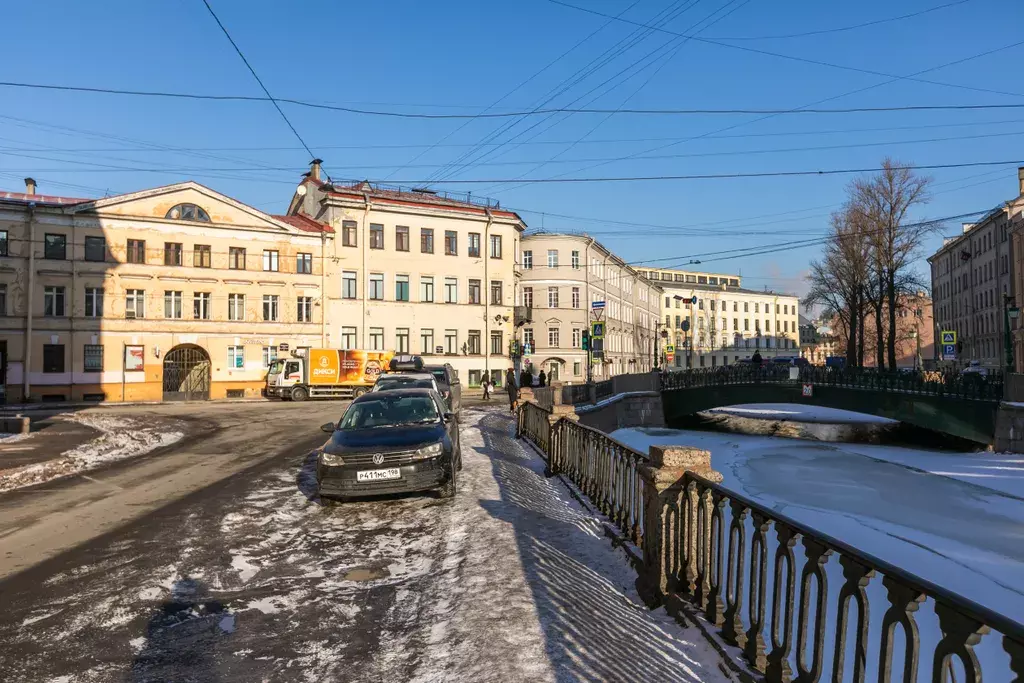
pixel 168 293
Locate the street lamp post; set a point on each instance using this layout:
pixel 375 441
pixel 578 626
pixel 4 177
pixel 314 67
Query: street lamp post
pixel 917 353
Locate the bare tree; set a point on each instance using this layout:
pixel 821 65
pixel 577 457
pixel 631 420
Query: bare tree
pixel 883 202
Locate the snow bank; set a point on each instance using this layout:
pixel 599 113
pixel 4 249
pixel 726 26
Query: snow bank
pixel 120 438
pixel 796 412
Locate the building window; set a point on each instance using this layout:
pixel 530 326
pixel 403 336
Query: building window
pixel 202 257
pixel 376 338
pixel 496 293
pixel 376 236
pixel 474 245
pixel 528 297
pixel 4 243
pixel 377 286
pixel 576 337
pixel 577 368
pixel 757 308
pixel 304 309
pixel 553 337
pixel 527 260
pixel 746 306
pixel 236 258
pixel 95 249
pixel 746 324
pixel 269 355
pixel 3 299
pixel 53 302
pixel 451 290
pixel 474 291
pixel 93 302
pixel 92 357
pixel 552 297
pixel 271 304
pixel 552 258
pixel 402 340
pixel 172 253
pixel 528 339
pixel 236 357
pixel 55 247
pixel 575 297
pixel 270 260
pixel 349 288
pixel 401 288
pixel 348 233
pixel 135 303
pixel 236 307
pixel 426 341
pixel 172 304
pixel 202 305
pixel 575 257
pixel 495 246
pixel 348 338
pixel 496 345
pixel 427 240
pixel 473 343
pixel 401 238
pixel 451 342
pixel 187 212
pixel 451 243
pixel 304 263
pixel 53 358
pixel 427 289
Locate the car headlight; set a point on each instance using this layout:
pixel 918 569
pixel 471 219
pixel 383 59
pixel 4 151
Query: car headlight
pixel 431 451
pixel 331 459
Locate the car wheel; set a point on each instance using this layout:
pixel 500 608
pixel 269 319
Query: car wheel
pixel 450 486
pixel 358 392
pixel 299 394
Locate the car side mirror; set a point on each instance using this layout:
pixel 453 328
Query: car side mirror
pixel 449 417
pixel 329 428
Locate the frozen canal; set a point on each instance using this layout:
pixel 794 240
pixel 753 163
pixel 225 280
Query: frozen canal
pixel 956 519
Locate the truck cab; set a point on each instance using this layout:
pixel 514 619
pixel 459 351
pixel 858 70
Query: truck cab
pixel 283 375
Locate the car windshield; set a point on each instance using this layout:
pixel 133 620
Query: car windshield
pixel 276 367
pixel 385 410
pixel 385 383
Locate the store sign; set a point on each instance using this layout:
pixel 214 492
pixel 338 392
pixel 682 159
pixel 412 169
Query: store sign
pixel 134 358
pixel 282 347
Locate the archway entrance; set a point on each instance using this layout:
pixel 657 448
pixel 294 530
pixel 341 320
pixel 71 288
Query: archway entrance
pixel 187 374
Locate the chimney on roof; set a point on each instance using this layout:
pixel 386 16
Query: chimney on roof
pixel 1020 179
pixel 30 186
pixel 314 169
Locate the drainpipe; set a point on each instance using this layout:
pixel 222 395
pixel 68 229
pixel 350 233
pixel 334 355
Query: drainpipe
pixel 364 238
pixel 323 289
pixel 587 308
pixel 486 341
pixel 27 355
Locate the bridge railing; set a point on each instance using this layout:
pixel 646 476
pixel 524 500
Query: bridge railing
pixel 764 581
pixel 959 385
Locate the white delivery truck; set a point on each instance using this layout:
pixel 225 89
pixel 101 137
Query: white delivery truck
pixel 325 373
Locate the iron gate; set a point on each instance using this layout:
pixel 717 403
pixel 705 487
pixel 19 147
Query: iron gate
pixel 186 374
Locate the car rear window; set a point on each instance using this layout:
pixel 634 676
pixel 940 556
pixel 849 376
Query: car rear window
pixel 404 383
pixel 439 374
pixel 384 410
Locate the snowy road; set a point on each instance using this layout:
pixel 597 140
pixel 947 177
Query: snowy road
pixel 252 580
pixel 955 519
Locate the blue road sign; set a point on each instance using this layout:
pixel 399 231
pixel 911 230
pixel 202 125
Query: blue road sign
pixel 949 351
pixel 597 305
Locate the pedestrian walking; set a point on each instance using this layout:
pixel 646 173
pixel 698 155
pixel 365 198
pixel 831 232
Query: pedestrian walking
pixel 487 388
pixel 512 389
pixel 541 379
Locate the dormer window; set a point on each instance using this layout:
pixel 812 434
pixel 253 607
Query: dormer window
pixel 188 212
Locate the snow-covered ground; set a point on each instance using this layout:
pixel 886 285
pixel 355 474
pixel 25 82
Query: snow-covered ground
pixel 954 519
pixel 120 437
pixel 799 413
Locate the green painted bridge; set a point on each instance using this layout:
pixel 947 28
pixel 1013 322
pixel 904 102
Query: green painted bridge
pixel 963 406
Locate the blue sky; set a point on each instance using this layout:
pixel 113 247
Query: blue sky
pixel 460 57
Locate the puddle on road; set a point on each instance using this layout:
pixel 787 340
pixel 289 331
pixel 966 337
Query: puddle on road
pixel 366 574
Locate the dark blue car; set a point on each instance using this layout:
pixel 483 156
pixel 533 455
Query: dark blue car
pixel 390 442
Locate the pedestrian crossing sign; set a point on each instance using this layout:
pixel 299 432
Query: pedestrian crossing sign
pixel 949 337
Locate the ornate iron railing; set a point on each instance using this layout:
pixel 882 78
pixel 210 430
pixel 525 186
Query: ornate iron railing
pixel 762 579
pixel 575 393
pixel 603 469
pixel 604 389
pixel 958 385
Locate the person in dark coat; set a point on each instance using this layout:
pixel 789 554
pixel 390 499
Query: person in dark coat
pixel 542 378
pixel 510 387
pixel 756 359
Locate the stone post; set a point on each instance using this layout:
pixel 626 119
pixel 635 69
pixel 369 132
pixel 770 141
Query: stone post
pixel 663 479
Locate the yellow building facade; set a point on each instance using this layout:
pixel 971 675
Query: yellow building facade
pixel 169 293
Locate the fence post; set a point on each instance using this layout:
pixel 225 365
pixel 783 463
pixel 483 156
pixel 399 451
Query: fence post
pixel 663 478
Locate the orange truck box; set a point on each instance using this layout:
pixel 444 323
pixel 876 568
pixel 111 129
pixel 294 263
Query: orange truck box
pixel 357 368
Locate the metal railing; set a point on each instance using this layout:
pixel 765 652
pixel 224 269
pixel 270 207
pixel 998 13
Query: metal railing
pixel 575 393
pixel 763 579
pixel 604 389
pixel 957 385
pixel 603 469
pixel 545 396
pixel 620 384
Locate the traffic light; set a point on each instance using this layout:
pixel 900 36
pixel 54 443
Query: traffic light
pixel 585 341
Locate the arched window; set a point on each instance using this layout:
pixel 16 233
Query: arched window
pixel 188 212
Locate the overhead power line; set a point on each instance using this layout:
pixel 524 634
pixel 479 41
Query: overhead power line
pixel 258 80
pixel 508 114
pixel 716 176
pixel 841 29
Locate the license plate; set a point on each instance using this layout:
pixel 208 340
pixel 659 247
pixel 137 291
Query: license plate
pixel 379 475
